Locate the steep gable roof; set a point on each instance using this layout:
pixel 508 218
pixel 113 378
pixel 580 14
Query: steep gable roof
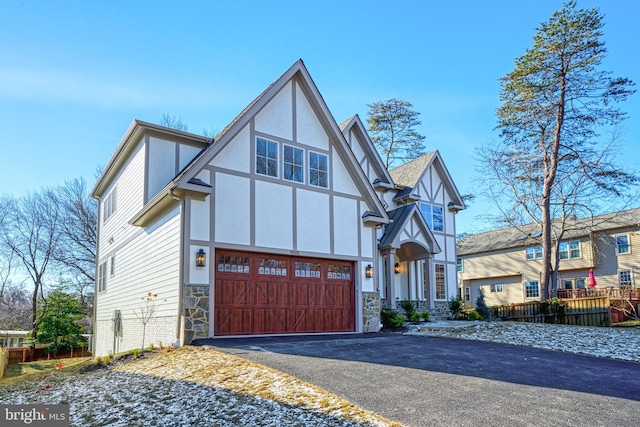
pixel 399 218
pixel 355 125
pixel 410 173
pixel 529 234
pixel 129 142
pixel 299 72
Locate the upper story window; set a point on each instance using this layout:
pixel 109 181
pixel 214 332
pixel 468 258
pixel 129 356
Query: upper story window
pixel 266 157
pixel 459 265
pixel 534 252
pixel 433 216
pixel 569 250
pixel 622 244
pixel 318 170
pixel 109 205
pixel 293 164
pixel 496 287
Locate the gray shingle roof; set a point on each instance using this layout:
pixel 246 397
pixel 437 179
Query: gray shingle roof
pixel 409 173
pixel 529 234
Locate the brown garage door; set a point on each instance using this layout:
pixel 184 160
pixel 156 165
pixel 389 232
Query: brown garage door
pixel 273 294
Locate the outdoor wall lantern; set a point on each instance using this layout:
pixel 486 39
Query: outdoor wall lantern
pixel 368 272
pixel 201 258
pixel 396 268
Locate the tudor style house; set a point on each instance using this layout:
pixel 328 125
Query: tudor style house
pixel 506 264
pixel 285 223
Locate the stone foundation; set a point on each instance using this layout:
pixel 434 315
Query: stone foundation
pixel 370 312
pixel 196 312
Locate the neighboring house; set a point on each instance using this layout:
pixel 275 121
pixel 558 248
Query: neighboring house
pixel 13 339
pixel 286 223
pixel 506 264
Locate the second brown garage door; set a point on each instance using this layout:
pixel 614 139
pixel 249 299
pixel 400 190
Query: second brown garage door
pixel 272 294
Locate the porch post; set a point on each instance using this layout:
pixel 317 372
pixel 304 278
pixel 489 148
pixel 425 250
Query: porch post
pixel 391 279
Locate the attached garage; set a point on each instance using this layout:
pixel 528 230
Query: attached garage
pixel 274 294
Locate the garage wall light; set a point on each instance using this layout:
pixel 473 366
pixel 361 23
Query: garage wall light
pixel 396 268
pixel 201 258
pixel 368 272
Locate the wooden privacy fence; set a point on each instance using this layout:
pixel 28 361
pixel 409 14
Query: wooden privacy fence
pixel 577 311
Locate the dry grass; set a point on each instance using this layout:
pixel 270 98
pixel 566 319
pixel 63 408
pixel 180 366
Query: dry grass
pixel 190 386
pixel 221 370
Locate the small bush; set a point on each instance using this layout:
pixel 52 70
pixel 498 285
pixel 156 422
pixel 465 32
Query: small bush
pixel 136 353
pixel 408 308
pixel 425 315
pixel 98 360
pixel 391 320
pixel 106 360
pixel 415 317
pixel 474 315
pixel 456 307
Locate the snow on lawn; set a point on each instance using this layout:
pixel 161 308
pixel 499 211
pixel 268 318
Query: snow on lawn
pixel 615 343
pixel 190 386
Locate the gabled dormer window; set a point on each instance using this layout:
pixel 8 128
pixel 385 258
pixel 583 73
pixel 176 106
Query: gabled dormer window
pixel 266 157
pixel 433 216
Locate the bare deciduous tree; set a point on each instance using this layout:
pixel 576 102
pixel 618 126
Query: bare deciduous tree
pixel 31 230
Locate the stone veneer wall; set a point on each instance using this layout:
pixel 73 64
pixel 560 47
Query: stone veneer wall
pixel 370 312
pixel 196 312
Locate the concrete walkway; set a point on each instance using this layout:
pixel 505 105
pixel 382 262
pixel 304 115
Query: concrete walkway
pixel 423 381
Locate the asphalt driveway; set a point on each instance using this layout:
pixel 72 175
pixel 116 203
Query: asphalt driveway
pixel 423 380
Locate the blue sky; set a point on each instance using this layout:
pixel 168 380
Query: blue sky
pixel 74 74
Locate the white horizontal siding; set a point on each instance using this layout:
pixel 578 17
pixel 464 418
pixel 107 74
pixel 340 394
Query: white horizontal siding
pixel 150 262
pixel 129 200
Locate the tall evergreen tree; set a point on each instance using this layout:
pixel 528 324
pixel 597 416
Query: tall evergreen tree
pixel 558 114
pixel 391 126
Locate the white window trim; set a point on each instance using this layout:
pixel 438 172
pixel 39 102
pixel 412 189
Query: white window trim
pixel 535 255
pixel 460 266
pixel 277 159
pixel 496 288
pixel 630 276
pixel 568 243
pixel 284 146
pixel 525 289
pixel 430 220
pixel 618 246
pixel 309 168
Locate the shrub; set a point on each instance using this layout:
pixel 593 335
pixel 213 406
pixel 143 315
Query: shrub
pixel 415 317
pixel 98 360
pixel 136 353
pixel 425 315
pixel 481 307
pixel 408 308
pixel 106 360
pixel 391 320
pixel 456 306
pixel 474 315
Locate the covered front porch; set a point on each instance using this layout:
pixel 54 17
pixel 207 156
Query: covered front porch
pixel 406 264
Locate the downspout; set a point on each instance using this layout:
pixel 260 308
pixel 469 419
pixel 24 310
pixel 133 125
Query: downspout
pixel 180 322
